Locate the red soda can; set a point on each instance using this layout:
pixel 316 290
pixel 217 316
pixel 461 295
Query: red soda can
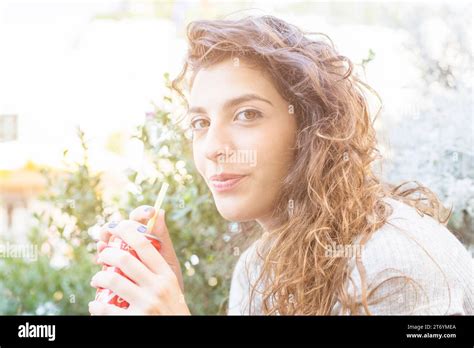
pixel 108 296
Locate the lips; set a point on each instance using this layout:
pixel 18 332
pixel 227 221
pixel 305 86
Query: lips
pixel 226 181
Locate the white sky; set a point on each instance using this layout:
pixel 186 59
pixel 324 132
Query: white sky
pixel 60 69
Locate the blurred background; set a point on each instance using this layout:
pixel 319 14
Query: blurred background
pixel 88 131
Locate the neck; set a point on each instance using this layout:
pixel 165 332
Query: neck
pixel 267 223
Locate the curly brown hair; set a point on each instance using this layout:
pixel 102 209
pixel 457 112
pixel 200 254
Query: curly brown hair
pixel 335 195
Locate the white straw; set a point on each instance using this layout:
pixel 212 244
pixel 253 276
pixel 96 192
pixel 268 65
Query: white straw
pixel 159 201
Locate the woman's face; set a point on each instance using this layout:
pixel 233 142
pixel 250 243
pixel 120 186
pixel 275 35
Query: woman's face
pixel 243 135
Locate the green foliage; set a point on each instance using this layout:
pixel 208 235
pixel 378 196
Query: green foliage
pixel 57 282
pixel 74 204
pixel 199 233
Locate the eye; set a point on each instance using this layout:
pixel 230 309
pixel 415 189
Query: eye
pixel 248 115
pixel 199 123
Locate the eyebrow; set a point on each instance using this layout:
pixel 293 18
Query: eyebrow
pixel 232 102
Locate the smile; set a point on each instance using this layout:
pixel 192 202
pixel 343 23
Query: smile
pixel 227 184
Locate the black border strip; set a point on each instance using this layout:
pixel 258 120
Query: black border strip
pixel 132 330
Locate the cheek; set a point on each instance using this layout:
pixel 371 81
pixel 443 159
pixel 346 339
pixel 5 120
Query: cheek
pixel 272 147
pixel 274 157
pixel 198 157
pixel 276 152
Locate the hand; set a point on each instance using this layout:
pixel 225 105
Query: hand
pixel 152 287
pixel 142 215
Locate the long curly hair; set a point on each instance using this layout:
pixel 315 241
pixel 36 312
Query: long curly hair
pixel 331 195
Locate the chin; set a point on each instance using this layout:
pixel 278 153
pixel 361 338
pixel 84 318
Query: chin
pixel 233 216
pixel 234 212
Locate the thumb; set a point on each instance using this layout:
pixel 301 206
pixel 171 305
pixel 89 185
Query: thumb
pixel 160 230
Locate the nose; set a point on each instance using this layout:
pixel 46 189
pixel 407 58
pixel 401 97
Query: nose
pixel 218 140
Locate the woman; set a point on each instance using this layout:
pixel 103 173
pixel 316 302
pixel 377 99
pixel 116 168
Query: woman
pixel 336 240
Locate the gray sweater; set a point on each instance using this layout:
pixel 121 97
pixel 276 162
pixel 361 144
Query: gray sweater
pixel 439 268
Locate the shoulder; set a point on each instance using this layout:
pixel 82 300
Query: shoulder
pixel 408 239
pixel 415 265
pixel 243 277
pixel 247 262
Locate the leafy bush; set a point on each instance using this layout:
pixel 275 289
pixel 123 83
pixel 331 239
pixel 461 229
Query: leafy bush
pixel 204 242
pixel 58 282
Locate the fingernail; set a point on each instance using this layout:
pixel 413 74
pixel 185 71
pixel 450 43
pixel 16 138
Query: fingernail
pixel 141 229
pixel 112 224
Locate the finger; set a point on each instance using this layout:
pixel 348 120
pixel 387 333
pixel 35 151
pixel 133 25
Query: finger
pixel 127 231
pixel 101 246
pixel 128 264
pixel 142 214
pixel 120 285
pixel 160 230
pixel 104 234
pixel 98 308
